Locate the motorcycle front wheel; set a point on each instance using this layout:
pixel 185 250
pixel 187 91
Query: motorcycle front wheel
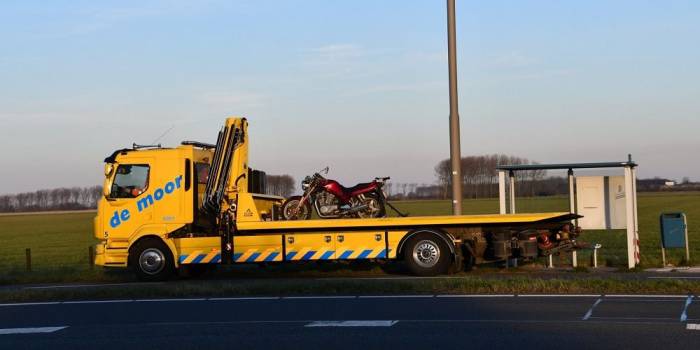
pixel 293 210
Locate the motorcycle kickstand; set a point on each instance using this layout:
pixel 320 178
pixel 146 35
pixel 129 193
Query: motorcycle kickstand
pixel 403 215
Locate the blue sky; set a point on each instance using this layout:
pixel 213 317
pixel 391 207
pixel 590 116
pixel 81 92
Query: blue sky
pixel 360 86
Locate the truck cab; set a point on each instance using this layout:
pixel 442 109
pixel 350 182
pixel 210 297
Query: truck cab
pixel 160 193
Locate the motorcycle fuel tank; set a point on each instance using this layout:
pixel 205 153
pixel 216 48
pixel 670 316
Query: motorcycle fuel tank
pixel 344 194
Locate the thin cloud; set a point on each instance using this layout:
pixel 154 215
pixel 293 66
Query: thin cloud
pixel 333 54
pixel 408 87
pixel 238 99
pixel 100 18
pixel 513 59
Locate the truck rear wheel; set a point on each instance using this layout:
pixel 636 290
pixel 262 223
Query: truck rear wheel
pixel 427 254
pixel 151 260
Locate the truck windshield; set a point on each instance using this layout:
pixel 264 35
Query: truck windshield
pixel 130 181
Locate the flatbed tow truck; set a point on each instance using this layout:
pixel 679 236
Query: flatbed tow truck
pixel 200 205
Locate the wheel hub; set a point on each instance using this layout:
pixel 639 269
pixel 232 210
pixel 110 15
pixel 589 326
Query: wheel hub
pixel 426 253
pixel 152 261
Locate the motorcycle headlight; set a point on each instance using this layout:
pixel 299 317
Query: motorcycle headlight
pixel 305 185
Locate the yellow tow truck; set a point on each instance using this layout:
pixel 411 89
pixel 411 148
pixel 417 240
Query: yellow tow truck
pixel 199 205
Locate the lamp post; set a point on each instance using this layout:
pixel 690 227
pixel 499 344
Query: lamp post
pixel 455 153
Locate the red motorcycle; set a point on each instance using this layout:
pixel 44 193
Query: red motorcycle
pixel 331 200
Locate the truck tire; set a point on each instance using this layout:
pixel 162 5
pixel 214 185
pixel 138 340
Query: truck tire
pixel 427 254
pixel 151 260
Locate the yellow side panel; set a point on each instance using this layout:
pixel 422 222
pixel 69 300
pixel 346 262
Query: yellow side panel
pixel 199 250
pixel 361 245
pixel 396 223
pixel 257 248
pixel 395 238
pixel 310 247
pixel 256 207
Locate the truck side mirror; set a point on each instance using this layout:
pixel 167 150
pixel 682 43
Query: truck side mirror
pixel 107 189
pixel 109 168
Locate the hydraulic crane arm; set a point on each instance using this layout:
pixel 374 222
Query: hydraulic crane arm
pixel 228 166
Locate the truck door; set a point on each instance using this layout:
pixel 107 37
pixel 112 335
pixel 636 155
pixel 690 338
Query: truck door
pixel 120 215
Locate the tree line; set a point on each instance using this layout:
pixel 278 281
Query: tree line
pixel 479 180
pixel 280 185
pixel 74 198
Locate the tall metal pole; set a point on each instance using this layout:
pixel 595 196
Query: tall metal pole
pixel 455 153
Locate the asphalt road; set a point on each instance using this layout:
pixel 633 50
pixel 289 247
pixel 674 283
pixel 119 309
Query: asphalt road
pixel 350 322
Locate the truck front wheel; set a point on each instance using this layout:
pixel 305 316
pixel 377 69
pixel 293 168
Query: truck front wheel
pixel 151 260
pixel 426 254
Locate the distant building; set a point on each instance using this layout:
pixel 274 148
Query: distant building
pixel 655 184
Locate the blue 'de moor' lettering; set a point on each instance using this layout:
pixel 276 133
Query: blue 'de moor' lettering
pixel 146 201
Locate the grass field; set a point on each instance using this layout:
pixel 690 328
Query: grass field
pixel 59 242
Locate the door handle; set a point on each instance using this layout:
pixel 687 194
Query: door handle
pixel 290 240
pixel 327 239
pixel 341 238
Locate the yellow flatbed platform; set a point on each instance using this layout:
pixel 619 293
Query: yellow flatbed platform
pixel 415 221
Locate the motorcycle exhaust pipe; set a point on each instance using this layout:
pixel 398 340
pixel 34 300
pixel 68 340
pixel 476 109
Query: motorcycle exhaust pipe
pixel 354 210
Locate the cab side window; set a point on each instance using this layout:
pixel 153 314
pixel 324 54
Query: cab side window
pixel 202 170
pixel 130 181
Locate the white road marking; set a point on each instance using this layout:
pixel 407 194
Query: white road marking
pixel 32 304
pixel 475 296
pixel 244 298
pixel 4 331
pixel 396 296
pixel 378 323
pixel 165 300
pixel 645 296
pixel 323 297
pixel 589 313
pixel 90 285
pixel 693 326
pixel 392 278
pixel 674 277
pixel 684 315
pixel 559 295
pixel 619 297
pixel 634 318
pixel 98 301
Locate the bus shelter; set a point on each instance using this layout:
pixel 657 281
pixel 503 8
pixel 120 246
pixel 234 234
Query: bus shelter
pixel 507 203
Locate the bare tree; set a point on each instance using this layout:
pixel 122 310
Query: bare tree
pixel 280 185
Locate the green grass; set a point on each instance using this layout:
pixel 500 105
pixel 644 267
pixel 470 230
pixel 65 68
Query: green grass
pixel 277 287
pixel 60 242
pixel 56 240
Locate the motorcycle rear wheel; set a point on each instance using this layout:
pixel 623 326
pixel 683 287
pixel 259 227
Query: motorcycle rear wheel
pixel 377 208
pixel 292 211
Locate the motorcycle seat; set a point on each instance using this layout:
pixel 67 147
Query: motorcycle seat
pixel 357 187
